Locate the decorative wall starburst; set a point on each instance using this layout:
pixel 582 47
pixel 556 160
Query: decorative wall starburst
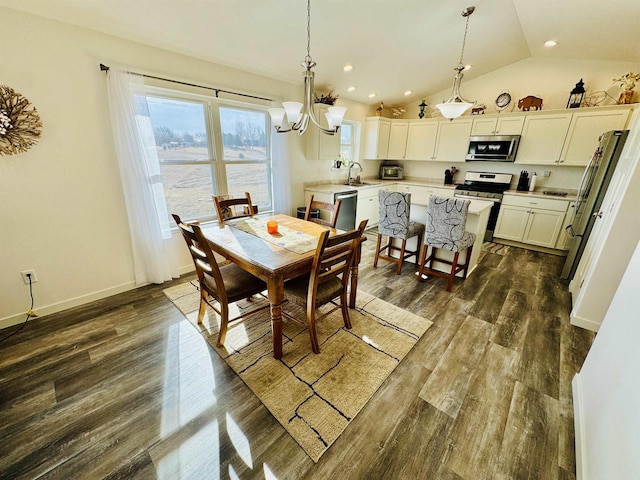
pixel 19 122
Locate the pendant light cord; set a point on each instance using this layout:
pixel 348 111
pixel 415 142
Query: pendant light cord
pixel 308 58
pixel 464 41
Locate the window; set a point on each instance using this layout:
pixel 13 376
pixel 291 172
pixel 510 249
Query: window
pixel 348 140
pixel 245 153
pixel 208 147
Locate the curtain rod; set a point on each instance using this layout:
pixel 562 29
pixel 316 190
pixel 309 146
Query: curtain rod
pixel 105 68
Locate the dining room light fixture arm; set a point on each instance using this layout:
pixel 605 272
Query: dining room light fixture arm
pixel 299 115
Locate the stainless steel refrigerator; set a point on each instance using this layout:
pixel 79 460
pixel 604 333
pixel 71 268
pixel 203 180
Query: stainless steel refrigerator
pixel 593 186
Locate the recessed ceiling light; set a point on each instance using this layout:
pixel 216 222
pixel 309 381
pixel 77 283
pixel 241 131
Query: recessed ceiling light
pixel 347 68
pixel 372 95
pixel 351 89
pixel 467 67
pixel 550 43
pixel 408 92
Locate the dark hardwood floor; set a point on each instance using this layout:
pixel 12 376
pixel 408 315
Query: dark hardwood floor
pixel 126 388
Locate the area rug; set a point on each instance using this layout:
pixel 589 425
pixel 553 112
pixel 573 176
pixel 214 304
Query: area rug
pixel 314 397
pixel 496 248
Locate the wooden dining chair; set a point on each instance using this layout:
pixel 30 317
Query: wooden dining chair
pixel 332 208
pixel 327 281
pixel 228 207
pixel 226 284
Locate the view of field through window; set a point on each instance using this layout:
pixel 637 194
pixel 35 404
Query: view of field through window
pixel 188 165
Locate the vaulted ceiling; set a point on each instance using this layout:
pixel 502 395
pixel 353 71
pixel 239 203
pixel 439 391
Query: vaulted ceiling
pixel 394 45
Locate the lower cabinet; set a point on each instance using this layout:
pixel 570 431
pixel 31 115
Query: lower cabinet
pixel 531 220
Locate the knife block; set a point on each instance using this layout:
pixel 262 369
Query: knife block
pixel 523 184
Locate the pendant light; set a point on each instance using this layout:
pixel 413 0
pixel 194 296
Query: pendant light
pixel 455 105
pixel 299 114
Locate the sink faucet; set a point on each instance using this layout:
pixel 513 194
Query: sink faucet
pixel 351 165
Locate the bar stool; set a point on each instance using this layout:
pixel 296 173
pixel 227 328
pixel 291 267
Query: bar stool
pixel 394 223
pixel 445 229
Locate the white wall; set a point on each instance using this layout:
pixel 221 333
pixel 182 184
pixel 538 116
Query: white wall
pixel 548 78
pixel 61 203
pixel 607 391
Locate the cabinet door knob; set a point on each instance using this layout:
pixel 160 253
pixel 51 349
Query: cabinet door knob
pixel 598 214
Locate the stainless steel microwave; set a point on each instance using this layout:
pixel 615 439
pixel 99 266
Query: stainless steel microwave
pixel 391 172
pixel 493 148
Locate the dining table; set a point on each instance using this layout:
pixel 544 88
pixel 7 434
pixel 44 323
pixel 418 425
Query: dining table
pixel 273 257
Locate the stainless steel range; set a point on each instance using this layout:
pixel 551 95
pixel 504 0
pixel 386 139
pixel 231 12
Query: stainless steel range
pixel 485 186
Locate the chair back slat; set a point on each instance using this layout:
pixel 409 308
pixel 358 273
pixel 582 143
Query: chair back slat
pixel 226 207
pixel 201 254
pixel 334 256
pixel 332 208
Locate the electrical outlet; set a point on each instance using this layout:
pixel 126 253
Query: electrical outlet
pixel 29 273
pixel 547 173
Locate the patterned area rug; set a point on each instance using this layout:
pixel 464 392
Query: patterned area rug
pixel 496 248
pixel 314 397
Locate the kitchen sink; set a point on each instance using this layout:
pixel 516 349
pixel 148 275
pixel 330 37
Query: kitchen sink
pixel 362 184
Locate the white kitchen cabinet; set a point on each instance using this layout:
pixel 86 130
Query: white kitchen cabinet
pixel 376 138
pixel 585 130
pixel 318 145
pixel 532 220
pixel 543 137
pixel 564 238
pixel 421 139
pixel 497 125
pixel 453 140
pixel 398 140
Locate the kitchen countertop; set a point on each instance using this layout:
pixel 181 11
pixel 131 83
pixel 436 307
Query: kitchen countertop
pixel 376 182
pixel 570 197
pixel 373 183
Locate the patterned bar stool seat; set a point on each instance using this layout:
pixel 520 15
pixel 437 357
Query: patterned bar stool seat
pixel 394 223
pixel 446 221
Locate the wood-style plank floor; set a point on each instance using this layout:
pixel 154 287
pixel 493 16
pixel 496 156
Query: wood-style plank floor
pixel 126 388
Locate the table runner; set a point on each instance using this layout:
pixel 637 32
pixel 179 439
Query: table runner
pixel 293 240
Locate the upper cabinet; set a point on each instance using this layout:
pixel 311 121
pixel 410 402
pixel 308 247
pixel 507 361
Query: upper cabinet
pixel 568 138
pixel 542 138
pixel 500 125
pixel 398 140
pixel 565 137
pixel 585 130
pixel 318 145
pixel 376 138
pixel 421 140
pixel 453 140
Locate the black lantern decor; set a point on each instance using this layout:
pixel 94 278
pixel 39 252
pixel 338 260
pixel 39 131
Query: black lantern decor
pixel 422 106
pixel 576 95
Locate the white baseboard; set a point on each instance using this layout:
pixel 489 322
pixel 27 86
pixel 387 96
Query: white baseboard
pixel 578 421
pixel 584 323
pixel 80 300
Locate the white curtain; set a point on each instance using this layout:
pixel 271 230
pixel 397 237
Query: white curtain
pixel 154 262
pixel 281 183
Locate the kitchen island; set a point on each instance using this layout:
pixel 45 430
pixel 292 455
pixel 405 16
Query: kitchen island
pixel 477 219
pixel 420 190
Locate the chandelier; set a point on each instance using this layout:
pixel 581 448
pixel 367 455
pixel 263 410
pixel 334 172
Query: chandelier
pixel 299 114
pixel 455 105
